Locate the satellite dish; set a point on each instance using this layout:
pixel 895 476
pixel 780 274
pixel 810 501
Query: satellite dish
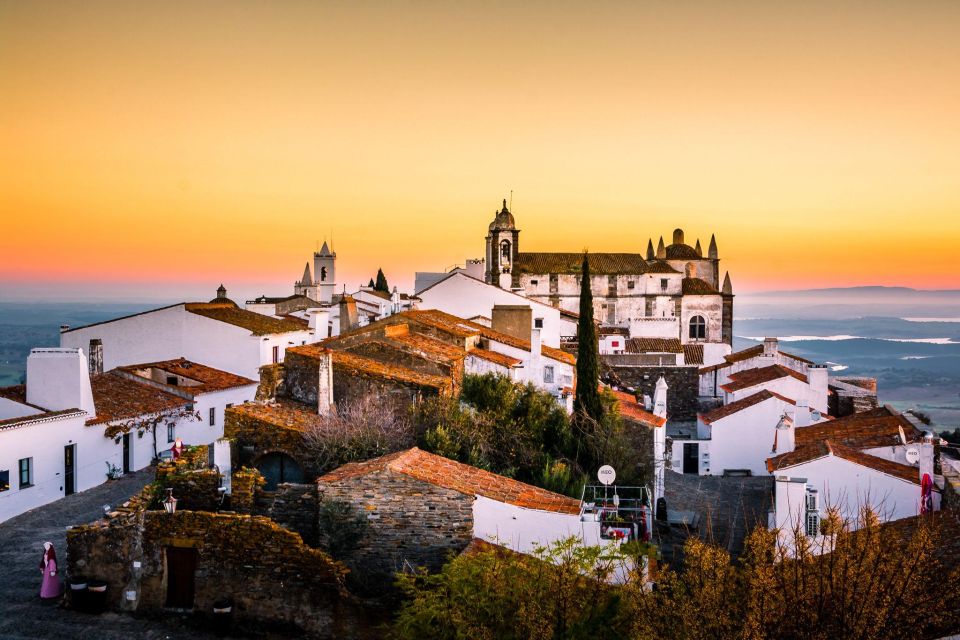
pixel 606 474
pixel 913 455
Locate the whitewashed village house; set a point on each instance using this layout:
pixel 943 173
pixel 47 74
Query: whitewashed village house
pixel 67 430
pixel 218 334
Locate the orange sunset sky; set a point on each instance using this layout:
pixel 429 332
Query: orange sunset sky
pixel 151 150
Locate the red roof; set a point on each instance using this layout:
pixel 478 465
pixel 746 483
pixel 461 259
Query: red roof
pixel 119 397
pixel 497 358
pixel 746 354
pixel 199 377
pixel 456 476
pixel 823 448
pixel 631 410
pixel 865 430
pixel 752 377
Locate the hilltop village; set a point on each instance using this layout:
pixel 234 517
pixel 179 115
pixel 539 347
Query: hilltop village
pixel 312 445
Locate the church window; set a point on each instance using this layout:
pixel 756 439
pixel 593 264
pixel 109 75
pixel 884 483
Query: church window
pixel 505 251
pixel 698 328
pixel 323 274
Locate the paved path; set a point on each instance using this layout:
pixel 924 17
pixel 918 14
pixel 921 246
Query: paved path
pixel 22 615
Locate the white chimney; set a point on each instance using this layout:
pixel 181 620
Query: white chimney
pixel 801 415
pixel 325 384
pixel 59 379
pixel 535 342
pixel 660 398
pixel 770 347
pixel 786 434
pixel 319 323
pixel 817 375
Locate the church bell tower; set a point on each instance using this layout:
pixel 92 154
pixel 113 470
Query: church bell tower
pixel 324 273
pixel 502 248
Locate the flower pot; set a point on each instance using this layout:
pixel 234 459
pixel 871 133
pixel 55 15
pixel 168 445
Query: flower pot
pixel 223 615
pixel 96 596
pixel 78 593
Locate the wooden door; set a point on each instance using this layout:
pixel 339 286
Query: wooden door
pixel 127 465
pixel 181 570
pixel 69 465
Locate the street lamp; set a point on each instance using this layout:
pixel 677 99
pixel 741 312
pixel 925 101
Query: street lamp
pixel 170 503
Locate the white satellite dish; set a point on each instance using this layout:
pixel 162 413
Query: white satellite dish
pixel 606 474
pixel 913 455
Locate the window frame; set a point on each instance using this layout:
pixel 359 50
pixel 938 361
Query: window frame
pixel 29 473
pixel 697 324
pixel 548 374
pixel 213 416
pixel 171 432
pixel 5 484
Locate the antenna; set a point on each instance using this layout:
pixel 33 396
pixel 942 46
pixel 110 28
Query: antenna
pixel 511 199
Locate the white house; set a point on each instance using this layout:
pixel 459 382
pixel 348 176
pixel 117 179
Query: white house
pixel 64 431
pixel 463 296
pixel 218 334
pixel 809 389
pixel 714 376
pixel 741 435
pixel 833 460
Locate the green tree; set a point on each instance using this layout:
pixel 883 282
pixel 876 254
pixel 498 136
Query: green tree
pixel 587 399
pixel 371 284
pixel 381 284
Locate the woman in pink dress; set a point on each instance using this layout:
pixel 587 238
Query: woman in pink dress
pixel 51 587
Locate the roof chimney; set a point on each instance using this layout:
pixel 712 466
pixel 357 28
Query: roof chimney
pixel 96 356
pixel 59 379
pixel 348 313
pixel 678 236
pixel 770 347
pixel 660 398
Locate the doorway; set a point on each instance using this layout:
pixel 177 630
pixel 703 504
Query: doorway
pixel 181 573
pixel 691 457
pixel 127 464
pixel 277 468
pixel 69 469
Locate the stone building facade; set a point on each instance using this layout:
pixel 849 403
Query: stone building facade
pixel 673 292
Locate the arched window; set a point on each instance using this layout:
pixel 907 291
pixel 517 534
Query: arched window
pixel 698 328
pixel 323 274
pixel 505 251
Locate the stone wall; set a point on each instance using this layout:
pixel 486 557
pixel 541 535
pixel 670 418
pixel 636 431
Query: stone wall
pixel 410 522
pixel 301 377
pixel 271 379
pixel 295 507
pixel 245 485
pixel 683 383
pixel 267 571
pixel 253 436
pixel 194 490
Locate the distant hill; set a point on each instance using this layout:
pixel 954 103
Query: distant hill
pixel 875 291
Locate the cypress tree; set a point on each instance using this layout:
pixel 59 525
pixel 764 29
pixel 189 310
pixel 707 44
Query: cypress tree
pixel 587 399
pixel 381 284
pixel 371 284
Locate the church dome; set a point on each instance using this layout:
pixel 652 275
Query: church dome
pixel 504 219
pixel 682 252
pixel 222 297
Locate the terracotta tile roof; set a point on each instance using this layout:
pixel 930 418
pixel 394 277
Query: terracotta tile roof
pixel 631 410
pixel 494 357
pixel 303 322
pixel 659 266
pixel 201 378
pixel 117 397
pixel 654 345
pixel 822 448
pixel 449 474
pixel 874 428
pixel 429 346
pixel 759 375
pixel 558 354
pixel 17 393
pixel 257 323
pixel 746 354
pixel 693 354
pixel 682 252
pixel 698 287
pixel 570 263
pixel 374 368
pixel 735 407
pixel 288 416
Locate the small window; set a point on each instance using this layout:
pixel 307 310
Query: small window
pixel 26 473
pixel 276 354
pixel 172 381
pixel 698 328
pixel 171 432
pixel 548 375
pixel 631 284
pixel 813 523
pixel 213 415
pixel 663 284
pixel 534 283
pixel 4 480
pixel 538 323
pixel 614 344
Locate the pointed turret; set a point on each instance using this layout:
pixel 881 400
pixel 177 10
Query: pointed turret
pixel 727 287
pixel 324 250
pixel 698 249
pixel 661 249
pixel 712 251
pixel 307 279
pixel 650 254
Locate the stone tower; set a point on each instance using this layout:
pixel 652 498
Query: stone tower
pixel 305 286
pixel 502 248
pixel 324 273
